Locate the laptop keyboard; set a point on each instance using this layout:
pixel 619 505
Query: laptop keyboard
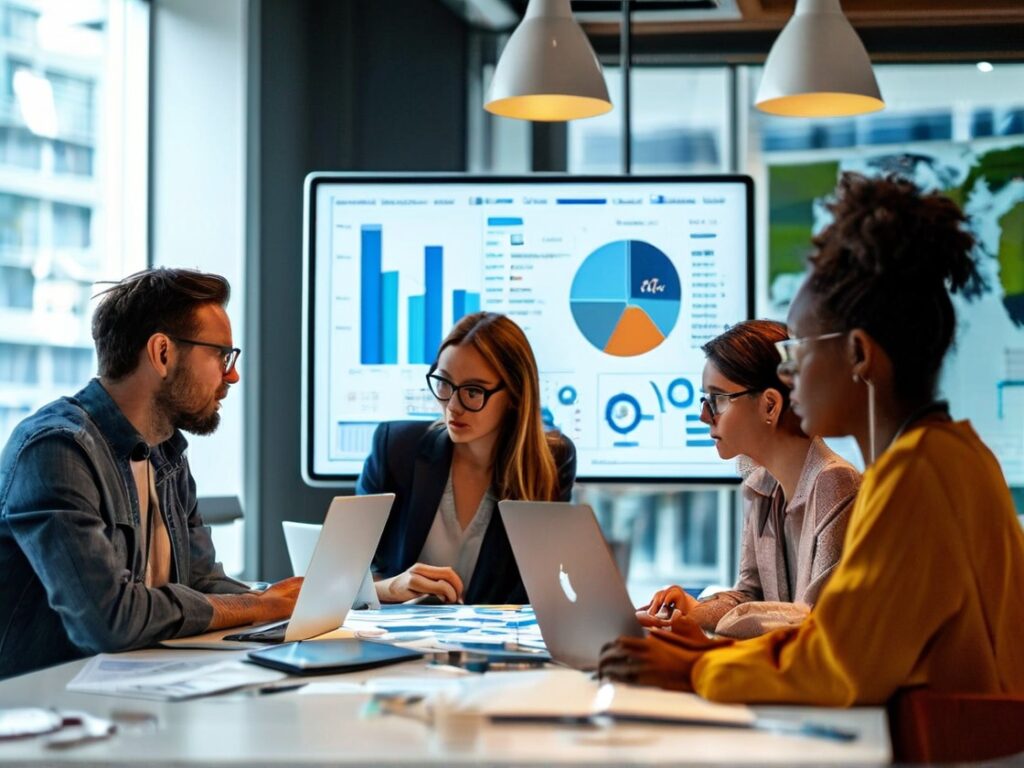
pixel 272 634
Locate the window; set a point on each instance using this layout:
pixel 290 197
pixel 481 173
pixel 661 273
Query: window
pixel 19 222
pixel 71 115
pixel 20 23
pixel 668 134
pixel 20 148
pixel 951 127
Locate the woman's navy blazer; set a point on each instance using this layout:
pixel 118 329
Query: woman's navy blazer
pixel 412 459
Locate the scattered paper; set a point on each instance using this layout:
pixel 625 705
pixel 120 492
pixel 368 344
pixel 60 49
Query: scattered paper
pixel 166 679
pixel 558 693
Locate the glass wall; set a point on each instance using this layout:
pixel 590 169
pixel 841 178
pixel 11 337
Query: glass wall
pixel 958 128
pixel 680 124
pixel 64 190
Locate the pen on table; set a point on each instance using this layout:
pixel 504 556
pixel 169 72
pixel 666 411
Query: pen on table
pixel 815 730
pixel 782 727
pixel 268 689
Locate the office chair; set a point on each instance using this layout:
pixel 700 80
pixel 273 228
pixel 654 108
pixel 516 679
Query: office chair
pixel 933 727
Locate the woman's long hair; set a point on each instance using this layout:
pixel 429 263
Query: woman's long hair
pixel 524 464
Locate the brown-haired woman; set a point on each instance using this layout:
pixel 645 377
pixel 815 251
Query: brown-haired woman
pixel 797 502
pixel 928 589
pixel 444 537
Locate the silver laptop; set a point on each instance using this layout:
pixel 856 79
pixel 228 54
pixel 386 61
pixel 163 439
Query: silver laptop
pixel 337 568
pixel 571 579
pixel 300 539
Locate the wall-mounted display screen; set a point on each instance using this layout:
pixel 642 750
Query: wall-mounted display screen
pixel 616 281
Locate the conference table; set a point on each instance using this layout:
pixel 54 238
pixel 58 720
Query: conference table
pixel 330 721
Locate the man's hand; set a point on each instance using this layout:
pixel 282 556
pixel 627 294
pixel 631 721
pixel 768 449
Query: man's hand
pixel 666 601
pixel 663 659
pixel 275 602
pixel 421 579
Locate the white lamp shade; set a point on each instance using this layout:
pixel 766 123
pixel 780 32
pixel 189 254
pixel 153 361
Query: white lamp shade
pixel 548 70
pixel 818 67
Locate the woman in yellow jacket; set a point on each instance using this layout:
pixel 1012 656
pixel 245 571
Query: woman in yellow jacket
pixel 928 590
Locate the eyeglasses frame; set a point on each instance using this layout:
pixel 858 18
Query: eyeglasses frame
pixel 457 389
pixel 229 355
pixel 709 398
pixel 787 351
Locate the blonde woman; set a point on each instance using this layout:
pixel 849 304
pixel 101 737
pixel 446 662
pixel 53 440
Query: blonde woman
pixel 444 538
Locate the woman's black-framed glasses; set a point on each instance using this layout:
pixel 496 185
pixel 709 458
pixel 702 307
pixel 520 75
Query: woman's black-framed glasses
pixel 473 397
pixel 229 355
pixel 716 402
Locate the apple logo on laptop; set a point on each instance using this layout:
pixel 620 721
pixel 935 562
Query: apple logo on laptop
pixel 563 579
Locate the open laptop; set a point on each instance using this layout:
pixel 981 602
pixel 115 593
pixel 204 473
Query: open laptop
pixel 570 576
pixel 337 568
pixel 300 539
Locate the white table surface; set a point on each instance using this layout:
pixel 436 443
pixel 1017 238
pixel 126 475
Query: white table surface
pixel 294 728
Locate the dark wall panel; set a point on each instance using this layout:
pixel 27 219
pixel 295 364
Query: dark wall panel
pixel 334 85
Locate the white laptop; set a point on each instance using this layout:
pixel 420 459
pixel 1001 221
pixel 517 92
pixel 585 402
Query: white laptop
pixel 337 568
pixel 571 579
pixel 300 539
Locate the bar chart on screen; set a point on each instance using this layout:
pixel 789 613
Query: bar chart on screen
pixel 379 305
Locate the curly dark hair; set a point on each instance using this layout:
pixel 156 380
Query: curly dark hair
pixel 887 264
pixel 148 302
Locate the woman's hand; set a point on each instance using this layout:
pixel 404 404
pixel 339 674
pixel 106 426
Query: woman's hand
pixel 663 659
pixel 421 579
pixel 666 601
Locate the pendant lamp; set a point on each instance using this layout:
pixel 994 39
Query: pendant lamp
pixel 548 70
pixel 818 67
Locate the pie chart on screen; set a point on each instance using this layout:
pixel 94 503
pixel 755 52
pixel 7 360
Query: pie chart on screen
pixel 625 297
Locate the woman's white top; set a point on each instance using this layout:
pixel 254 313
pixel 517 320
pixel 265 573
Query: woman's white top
pixel 448 543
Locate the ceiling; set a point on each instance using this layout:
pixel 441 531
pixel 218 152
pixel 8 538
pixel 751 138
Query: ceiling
pixel 738 30
pixel 661 16
pixel 773 14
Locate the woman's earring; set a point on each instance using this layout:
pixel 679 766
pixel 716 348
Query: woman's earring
pixel 856 379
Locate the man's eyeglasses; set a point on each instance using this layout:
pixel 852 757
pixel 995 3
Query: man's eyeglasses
pixel 787 349
pixel 717 402
pixel 472 396
pixel 229 355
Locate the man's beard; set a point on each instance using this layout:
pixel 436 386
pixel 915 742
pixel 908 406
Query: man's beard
pixel 175 403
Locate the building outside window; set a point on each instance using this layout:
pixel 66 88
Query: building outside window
pixel 70 116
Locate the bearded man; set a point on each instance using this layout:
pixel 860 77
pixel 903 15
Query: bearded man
pixel 102 545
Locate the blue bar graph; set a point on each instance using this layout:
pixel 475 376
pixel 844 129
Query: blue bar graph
pixel 464 303
pixel 504 221
pixel 417 331
pixel 389 318
pixel 380 299
pixel 370 350
pixel 433 260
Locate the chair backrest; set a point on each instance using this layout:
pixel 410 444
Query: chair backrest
pixel 931 727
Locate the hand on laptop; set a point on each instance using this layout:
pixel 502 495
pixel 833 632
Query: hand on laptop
pixel 276 602
pixel 663 659
pixel 421 579
pixel 668 600
pixel 654 622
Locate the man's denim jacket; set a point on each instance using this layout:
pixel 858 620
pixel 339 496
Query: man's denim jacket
pixel 71 560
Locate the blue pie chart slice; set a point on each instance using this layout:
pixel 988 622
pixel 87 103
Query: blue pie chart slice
pixel 626 297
